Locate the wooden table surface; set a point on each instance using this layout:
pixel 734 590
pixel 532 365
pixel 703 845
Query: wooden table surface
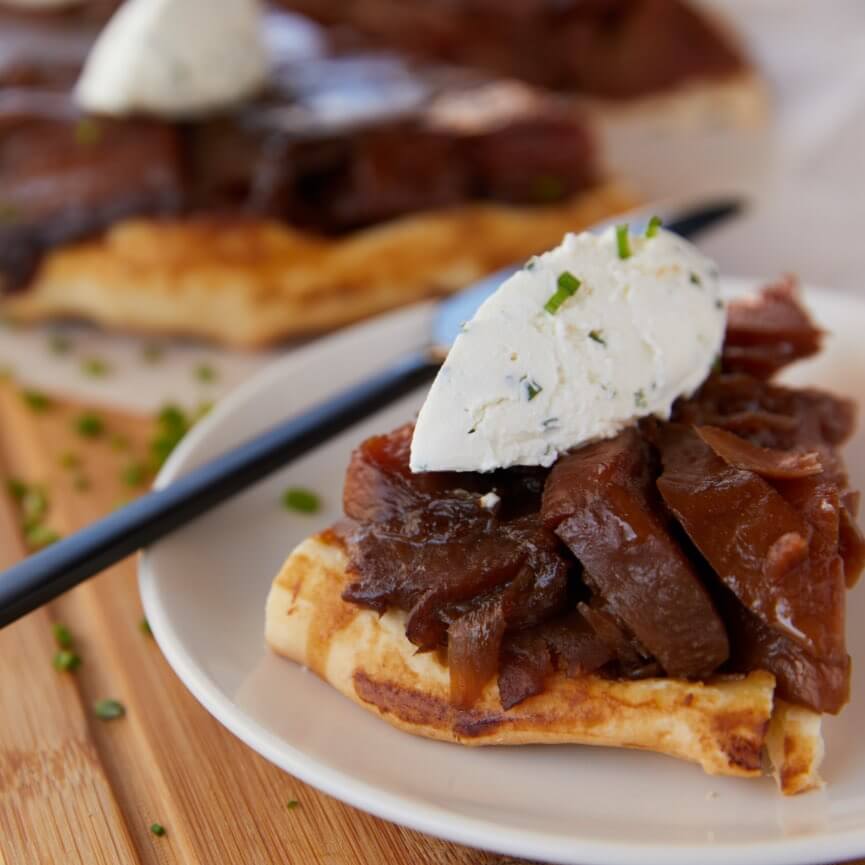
pixel 76 789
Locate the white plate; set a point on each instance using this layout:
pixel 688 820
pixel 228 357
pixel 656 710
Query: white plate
pixel 204 591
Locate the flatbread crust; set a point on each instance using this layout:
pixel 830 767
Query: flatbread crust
pixel 795 747
pixel 251 283
pixel 721 725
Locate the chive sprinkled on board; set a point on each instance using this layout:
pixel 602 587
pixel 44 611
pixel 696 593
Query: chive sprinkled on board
pixel 65 661
pixel 39 537
pixel 144 627
pixel 640 399
pixel 654 225
pixel 205 373
pixel 34 506
pixel 567 286
pixel 108 710
pixel 291 804
pixel 89 425
pixel 95 367
pixel 302 500
pixel 81 483
pixel 157 829
pixel 36 401
pixel 69 460
pixel 17 489
pixel 119 442
pixel 172 424
pixel 597 336
pixel 695 278
pixel 134 474
pixel 623 241
pixel 62 636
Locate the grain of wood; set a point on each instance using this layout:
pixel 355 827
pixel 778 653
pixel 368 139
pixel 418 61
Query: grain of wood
pixel 79 790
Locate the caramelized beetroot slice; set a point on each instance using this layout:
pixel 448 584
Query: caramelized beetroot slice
pixel 768 414
pixel 767 462
pixel 769 331
pixel 474 643
pixel 747 532
pixel 600 500
pixel 620 644
pixel 379 484
pixel 525 666
pixel 801 678
pixel 852 547
pixel 576 648
pixel 566 644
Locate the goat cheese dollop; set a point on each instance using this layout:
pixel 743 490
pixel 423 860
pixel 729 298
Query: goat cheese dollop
pixel 583 341
pixel 175 58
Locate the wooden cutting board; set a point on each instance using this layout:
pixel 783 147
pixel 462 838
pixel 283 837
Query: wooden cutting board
pixel 76 789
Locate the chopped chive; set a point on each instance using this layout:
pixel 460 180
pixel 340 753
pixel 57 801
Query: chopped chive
pixel 531 263
pixel 119 442
pixel 16 489
pixel 640 399
pixel 157 829
pixel 39 537
pixel 95 367
pixel 87 132
pixel 654 224
pixel 65 661
pixel 62 636
pixel 81 483
pixel 205 373
pixel 134 474
pixel 623 242
pixel 532 388
pixel 36 401
pixel 152 353
pixel 302 500
pixel 717 365
pixel 34 506
pixel 70 460
pixel 59 343
pixel 203 409
pixel 172 424
pixel 568 285
pixel 695 278
pixel 144 627
pixel 90 425
pixel 108 710
pixel 597 336
pixel 291 804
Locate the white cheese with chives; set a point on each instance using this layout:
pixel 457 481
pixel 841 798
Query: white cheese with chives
pixel 574 347
pixel 175 58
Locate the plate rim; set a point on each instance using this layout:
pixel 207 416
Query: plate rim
pixel 404 810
